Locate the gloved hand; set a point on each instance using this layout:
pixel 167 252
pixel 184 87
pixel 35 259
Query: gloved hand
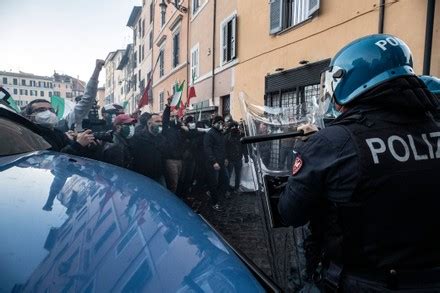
pixel 307 128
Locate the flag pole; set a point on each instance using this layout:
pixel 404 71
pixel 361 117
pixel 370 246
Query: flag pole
pixel 150 80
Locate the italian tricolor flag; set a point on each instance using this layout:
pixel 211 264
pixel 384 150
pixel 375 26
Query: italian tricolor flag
pixel 61 106
pixel 176 102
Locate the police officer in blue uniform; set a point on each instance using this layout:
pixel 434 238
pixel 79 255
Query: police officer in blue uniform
pixel 367 183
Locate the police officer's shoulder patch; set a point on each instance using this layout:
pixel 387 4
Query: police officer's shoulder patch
pixel 297 165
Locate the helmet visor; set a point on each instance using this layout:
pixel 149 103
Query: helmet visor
pixel 329 81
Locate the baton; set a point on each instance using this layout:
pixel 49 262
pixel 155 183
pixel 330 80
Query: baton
pixel 275 136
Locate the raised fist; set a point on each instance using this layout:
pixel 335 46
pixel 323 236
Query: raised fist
pixel 99 63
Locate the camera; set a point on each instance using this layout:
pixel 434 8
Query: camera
pixel 104 135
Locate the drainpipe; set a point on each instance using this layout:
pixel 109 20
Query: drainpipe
pixel 381 16
pixel 428 37
pixel 188 49
pixel 214 23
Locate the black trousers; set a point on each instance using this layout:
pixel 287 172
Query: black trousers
pixel 218 183
pixel 236 166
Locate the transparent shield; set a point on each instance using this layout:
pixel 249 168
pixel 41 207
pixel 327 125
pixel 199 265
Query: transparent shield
pixel 276 156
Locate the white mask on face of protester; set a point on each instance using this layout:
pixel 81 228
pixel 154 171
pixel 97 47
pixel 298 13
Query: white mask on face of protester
pixel 191 125
pixel 46 118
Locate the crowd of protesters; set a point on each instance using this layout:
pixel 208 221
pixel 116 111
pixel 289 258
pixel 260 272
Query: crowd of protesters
pixel 186 156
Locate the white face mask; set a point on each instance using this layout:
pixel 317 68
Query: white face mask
pixel 131 133
pixel 46 118
pixel 191 125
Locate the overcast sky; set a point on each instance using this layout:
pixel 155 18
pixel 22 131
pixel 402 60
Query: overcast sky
pixel 40 36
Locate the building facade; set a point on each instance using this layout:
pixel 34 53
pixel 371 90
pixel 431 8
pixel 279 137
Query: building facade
pixel 282 54
pixel 25 87
pixel 170 53
pixel 213 55
pixel 67 87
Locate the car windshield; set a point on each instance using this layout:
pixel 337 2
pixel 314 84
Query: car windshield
pixel 17 139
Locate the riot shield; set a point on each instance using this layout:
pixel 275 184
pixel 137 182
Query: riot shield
pixel 274 157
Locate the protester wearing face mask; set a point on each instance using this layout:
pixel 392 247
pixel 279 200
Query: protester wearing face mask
pixel 214 146
pixel 235 151
pixel 40 112
pixel 118 152
pixel 147 146
pixel 173 151
pixel 109 113
pixel 192 155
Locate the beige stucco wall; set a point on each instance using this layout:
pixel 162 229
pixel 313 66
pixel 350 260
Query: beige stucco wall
pixel 201 33
pixel 171 75
pixel 337 23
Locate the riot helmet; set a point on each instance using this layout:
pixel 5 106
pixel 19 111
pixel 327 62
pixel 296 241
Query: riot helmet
pixel 362 65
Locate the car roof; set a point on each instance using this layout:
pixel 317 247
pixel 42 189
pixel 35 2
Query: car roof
pixel 76 224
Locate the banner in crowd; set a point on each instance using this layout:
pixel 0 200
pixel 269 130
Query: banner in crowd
pixel 61 106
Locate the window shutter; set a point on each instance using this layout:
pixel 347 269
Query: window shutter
pixel 234 38
pixel 225 42
pixel 276 16
pixel 313 7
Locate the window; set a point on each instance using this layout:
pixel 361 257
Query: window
pixel 140 27
pixel 162 20
pixel 195 6
pixel 143 52
pixel 50 94
pixel 21 91
pixel 228 41
pixel 134 82
pixel 135 59
pixel 26 92
pixel 140 53
pixel 23 82
pixel 176 49
pixel 15 81
pixel 143 28
pixel 151 41
pixel 15 91
pixel 161 63
pixel 5 80
pixel 288 13
pixel 151 12
pixel 194 63
pixel 140 75
pixel 31 92
pixel 161 101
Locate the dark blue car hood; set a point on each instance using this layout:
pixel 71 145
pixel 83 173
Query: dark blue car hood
pixel 73 224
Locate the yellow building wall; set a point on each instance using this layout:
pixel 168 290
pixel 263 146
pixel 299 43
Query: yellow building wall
pixel 337 23
pixel 171 75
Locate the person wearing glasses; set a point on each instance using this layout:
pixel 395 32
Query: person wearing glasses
pixel 41 112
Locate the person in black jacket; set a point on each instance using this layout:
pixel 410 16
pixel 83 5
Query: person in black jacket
pixel 118 152
pixel 40 112
pixel 173 151
pixel 235 151
pixel 215 152
pixel 368 180
pixel 147 147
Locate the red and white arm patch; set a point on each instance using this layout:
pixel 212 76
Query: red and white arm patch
pixel 297 165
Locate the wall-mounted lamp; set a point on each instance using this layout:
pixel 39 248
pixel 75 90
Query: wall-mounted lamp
pixel 163 6
pixel 303 62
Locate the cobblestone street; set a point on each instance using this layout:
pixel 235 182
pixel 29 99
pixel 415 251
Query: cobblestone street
pixel 242 224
